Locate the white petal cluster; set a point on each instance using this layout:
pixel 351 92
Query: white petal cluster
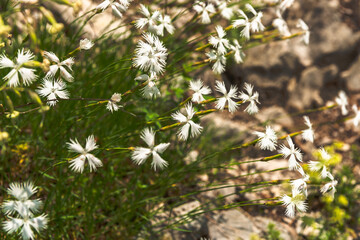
pixel 150 19
pixel 78 163
pixel 239 54
pixel 303 26
pixel 52 89
pixel 225 11
pixel 155 22
pixel 150 91
pixel 118 7
pixel 293 203
pixel 254 25
pixel 13 77
pixel 205 10
pixel 342 101
pixel 251 97
pixel 356 119
pixel 280 24
pixel 219 42
pixel 227 97
pixel 199 90
pixel 219 60
pixel 330 187
pixel 140 154
pixel 243 22
pixel 284 4
pixel 151 54
pixel 86 44
pixel 64 67
pixel 21 211
pixel 308 134
pixel 300 185
pixel 267 140
pixel 188 126
pixel 293 153
pixel 112 104
pixel 321 165
pixel 165 23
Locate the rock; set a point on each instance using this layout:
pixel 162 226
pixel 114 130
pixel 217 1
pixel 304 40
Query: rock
pixel 196 227
pixel 286 232
pixel 235 224
pixel 275 114
pixel 307 91
pixel 330 74
pixel 269 66
pixel 231 225
pixel 351 77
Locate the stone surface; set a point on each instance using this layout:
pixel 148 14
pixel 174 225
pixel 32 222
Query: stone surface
pixel 351 77
pixel 275 114
pixel 231 225
pixel 307 90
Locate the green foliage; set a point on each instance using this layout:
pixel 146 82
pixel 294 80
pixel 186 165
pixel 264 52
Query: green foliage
pixel 273 233
pixel 339 217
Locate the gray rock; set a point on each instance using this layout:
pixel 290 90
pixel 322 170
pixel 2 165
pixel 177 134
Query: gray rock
pixel 307 90
pixel 231 225
pixel 351 77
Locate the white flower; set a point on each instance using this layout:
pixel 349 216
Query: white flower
pixel 25 223
pixel 280 24
pixel 23 205
pixel 86 44
pixel 199 90
pixel 243 22
pixel 239 54
pixel 150 91
pixel 300 185
pixel 63 66
pixel 308 134
pixel 251 97
pixel 316 166
pixel 204 10
pixel 27 74
pixel 78 163
pixel 324 154
pixel 140 154
pixel 102 6
pixel 165 23
pixel 219 42
pixel 225 11
pixel 117 8
pixel 150 55
pixel 125 3
pixel 285 4
pixel 342 101
pixel 329 186
pixel 296 202
pixel 112 104
pixel 194 128
pixel 52 89
pixel 306 37
pixel 227 98
pixel 220 61
pixel 256 24
pixel 267 140
pixel 356 119
pixel 22 210
pixel 293 153
pixel 150 19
